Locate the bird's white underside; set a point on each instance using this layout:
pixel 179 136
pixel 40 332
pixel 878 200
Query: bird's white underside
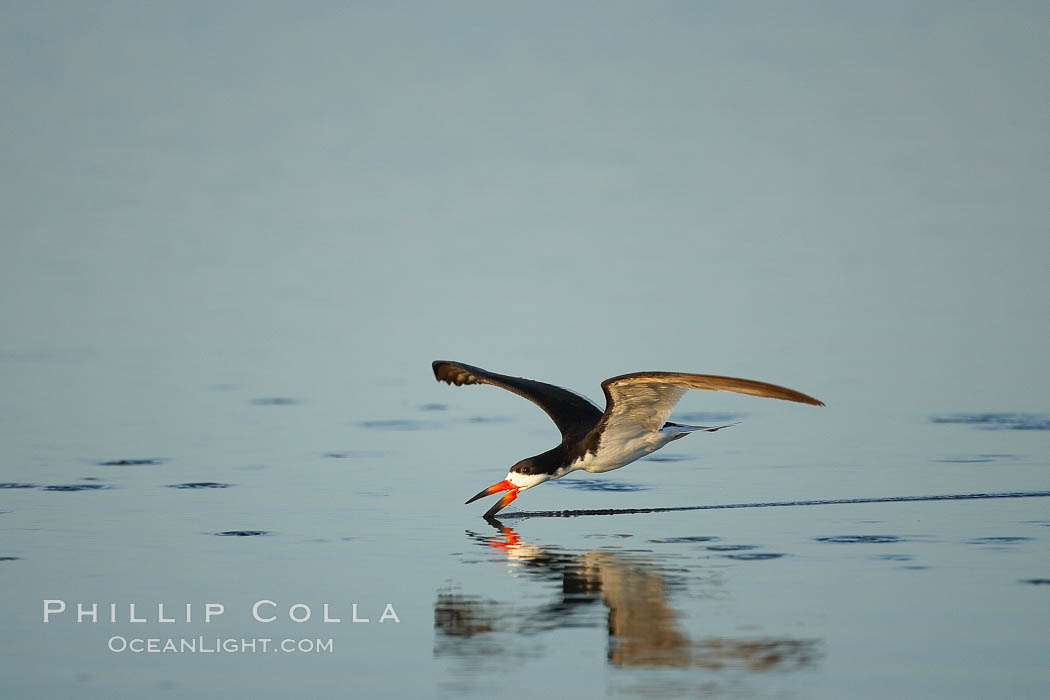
pixel 633 430
pixel 624 443
pixel 614 451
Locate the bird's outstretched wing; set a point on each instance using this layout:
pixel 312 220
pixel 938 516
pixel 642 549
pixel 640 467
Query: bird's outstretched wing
pixel 646 399
pixel 573 414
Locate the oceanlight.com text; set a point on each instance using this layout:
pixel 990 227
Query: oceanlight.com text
pixel 218 645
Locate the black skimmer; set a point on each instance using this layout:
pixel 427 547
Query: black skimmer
pixel 633 424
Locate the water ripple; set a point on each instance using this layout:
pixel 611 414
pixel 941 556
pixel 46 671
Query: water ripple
pixel 601 485
pixel 78 487
pixel 997 421
pixel 753 556
pixel 775 504
pixel 669 458
pixel 275 401
pixel 200 485
pixel 396 424
pixel 978 459
pixel 136 462
pixel 353 454
pixel 488 419
pixel 860 539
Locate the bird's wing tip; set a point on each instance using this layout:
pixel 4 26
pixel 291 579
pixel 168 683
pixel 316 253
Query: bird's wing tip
pixel 436 366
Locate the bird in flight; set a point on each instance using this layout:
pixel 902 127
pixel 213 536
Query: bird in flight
pixel 633 424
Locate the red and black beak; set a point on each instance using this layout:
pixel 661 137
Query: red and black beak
pixel 512 493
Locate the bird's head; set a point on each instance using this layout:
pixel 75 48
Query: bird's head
pixel 527 473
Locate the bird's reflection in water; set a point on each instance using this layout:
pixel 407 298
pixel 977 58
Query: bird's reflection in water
pixel 636 595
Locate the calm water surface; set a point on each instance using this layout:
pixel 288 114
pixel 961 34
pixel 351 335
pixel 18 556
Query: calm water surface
pixel 277 500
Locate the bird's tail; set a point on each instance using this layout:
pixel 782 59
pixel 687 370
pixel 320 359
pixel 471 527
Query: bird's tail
pixel 677 430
